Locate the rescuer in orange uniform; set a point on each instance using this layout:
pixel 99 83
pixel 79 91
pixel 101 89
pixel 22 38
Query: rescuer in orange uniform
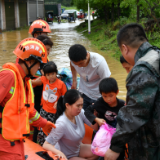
pixel 39 27
pixel 17 99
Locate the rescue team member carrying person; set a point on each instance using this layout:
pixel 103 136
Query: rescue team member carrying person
pixel 17 99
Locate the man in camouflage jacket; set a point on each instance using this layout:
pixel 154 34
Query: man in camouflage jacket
pixel 138 123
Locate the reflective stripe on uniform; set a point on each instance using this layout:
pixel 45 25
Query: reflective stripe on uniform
pixel 11 90
pixel 31 132
pixel 37 115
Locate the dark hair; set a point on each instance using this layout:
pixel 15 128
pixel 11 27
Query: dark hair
pixel 70 97
pixel 45 40
pixel 132 35
pixel 122 60
pixel 50 67
pixel 77 53
pixel 108 85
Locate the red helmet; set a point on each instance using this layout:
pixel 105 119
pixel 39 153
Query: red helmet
pixel 39 26
pixel 31 48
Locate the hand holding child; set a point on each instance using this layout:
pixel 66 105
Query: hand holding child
pixel 100 121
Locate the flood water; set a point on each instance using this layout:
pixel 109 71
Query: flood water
pixel 63 36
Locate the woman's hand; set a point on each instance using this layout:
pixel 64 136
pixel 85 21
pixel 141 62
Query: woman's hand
pixel 100 121
pixel 61 155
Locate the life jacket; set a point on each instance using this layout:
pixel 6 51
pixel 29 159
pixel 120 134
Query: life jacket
pixel 15 113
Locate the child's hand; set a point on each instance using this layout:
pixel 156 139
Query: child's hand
pixel 100 121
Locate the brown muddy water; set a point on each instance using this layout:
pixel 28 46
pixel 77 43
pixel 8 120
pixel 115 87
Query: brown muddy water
pixel 63 36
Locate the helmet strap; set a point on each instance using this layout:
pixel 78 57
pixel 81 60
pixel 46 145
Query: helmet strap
pixel 29 68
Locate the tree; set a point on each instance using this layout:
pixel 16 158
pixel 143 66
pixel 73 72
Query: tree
pixel 63 2
pixel 138 9
pixel 151 7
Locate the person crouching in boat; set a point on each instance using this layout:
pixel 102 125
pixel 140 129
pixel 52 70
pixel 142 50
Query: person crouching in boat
pixel 65 140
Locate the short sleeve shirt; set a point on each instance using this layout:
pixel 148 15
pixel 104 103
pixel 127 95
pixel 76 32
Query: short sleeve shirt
pixel 92 74
pixel 68 136
pixel 51 93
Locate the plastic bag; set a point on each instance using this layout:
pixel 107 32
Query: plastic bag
pixel 102 140
pixel 67 77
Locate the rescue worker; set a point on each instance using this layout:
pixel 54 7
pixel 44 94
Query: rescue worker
pixel 17 99
pixel 138 121
pixel 39 27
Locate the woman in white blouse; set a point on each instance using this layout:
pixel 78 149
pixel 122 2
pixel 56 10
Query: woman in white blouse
pixel 66 140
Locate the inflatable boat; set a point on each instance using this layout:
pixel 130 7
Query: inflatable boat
pixel 33 151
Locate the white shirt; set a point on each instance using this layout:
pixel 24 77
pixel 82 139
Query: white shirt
pixel 68 136
pixel 90 76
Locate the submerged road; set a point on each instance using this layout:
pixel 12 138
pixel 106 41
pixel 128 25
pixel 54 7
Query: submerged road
pixel 63 35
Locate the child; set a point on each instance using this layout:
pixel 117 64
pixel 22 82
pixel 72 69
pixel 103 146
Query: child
pixel 38 89
pixel 128 67
pixel 107 106
pixel 47 42
pixel 53 88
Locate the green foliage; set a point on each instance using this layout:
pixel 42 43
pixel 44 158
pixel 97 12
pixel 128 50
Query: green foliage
pixel 81 4
pixel 68 8
pixel 104 36
pixel 63 2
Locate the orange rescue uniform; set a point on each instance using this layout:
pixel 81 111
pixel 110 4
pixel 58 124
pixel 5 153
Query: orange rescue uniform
pixel 15 150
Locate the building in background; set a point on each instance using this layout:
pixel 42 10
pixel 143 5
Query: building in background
pixel 19 13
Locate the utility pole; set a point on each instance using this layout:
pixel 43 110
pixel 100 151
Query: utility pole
pixel 37 9
pixel 89 21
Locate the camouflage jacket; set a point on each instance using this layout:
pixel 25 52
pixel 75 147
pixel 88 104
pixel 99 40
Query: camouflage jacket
pixel 138 123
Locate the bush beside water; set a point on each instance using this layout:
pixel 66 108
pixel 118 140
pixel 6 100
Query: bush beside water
pixel 103 35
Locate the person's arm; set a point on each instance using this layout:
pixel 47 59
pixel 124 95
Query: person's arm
pixel 89 113
pixel 74 77
pixel 6 82
pixel 54 136
pixel 36 120
pixel 142 89
pixel 103 70
pixel 37 82
pixel 49 147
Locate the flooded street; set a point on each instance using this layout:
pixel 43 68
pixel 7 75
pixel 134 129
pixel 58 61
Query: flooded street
pixel 63 36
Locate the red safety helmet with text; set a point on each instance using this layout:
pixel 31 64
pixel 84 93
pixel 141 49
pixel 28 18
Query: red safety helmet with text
pixel 31 48
pixel 39 26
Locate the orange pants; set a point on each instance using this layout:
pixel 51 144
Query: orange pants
pixel 10 156
pixel 8 152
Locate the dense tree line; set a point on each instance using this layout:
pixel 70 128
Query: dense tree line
pixel 115 9
pixel 63 2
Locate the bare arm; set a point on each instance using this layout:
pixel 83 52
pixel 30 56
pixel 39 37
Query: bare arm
pixel 74 77
pixel 95 127
pixel 37 82
pixel 49 147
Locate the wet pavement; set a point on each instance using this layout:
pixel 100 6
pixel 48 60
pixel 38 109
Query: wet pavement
pixel 63 35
